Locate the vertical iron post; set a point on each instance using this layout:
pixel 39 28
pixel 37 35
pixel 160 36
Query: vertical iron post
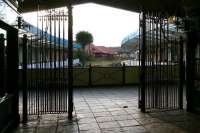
pixel 70 61
pixel 90 75
pixel 24 77
pixel 123 74
pixel 181 74
pixel 139 90
pixel 2 64
pixel 143 56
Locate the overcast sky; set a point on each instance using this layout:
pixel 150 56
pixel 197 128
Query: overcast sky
pixel 107 25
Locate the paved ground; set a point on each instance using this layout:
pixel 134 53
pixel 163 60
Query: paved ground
pixel 112 110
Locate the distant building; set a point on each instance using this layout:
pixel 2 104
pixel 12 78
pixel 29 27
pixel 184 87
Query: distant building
pixel 37 48
pixel 166 52
pixel 99 51
pixel 131 42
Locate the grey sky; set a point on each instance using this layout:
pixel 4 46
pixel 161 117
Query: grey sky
pixel 107 25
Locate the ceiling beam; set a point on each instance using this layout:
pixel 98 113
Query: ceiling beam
pixel 170 6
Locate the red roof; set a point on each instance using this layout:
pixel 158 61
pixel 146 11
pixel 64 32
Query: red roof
pixel 99 49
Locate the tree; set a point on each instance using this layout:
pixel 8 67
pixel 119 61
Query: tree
pixel 84 38
pixel 82 56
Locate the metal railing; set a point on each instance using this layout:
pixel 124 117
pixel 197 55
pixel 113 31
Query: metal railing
pixel 95 76
pixel 162 67
pixel 44 57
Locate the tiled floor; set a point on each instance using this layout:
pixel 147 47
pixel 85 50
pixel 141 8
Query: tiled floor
pixel 112 110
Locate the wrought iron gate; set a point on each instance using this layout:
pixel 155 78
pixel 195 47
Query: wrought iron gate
pixel 47 62
pixel 161 61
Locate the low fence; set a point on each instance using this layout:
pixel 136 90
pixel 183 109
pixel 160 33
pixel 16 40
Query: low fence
pixel 92 76
pixel 105 76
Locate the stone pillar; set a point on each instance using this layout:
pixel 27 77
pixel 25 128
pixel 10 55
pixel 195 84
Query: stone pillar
pixel 192 28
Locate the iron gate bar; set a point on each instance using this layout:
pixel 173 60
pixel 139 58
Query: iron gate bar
pixel 59 61
pixel 167 61
pixel 149 58
pixel 139 43
pixel 160 71
pixel 31 78
pixel 174 94
pixel 37 76
pixel 24 72
pixel 156 68
pixel 44 63
pixel 41 68
pixel 63 59
pixel 53 108
pixel 165 47
pixel 2 65
pixel 29 74
pixel 70 60
pixel 143 60
pixel 46 50
pixel 147 61
pixel 51 60
pixel 45 66
pixel 149 66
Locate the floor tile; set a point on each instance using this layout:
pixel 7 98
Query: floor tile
pixel 88 126
pixel 111 110
pixel 111 124
pixel 128 123
pixel 104 119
